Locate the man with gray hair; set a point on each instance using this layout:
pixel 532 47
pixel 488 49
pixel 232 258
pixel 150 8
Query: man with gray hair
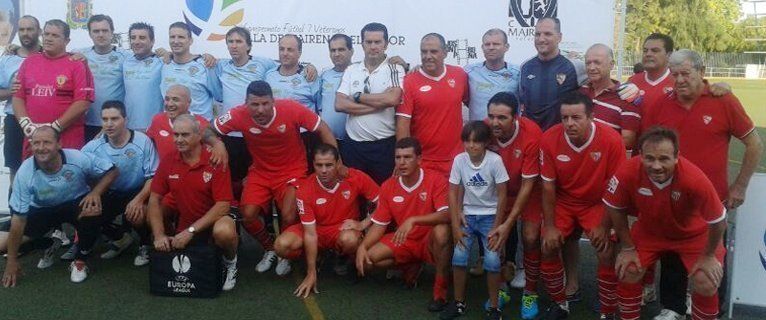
pixel 705 124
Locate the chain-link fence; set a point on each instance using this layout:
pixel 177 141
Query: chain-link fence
pixel 717 64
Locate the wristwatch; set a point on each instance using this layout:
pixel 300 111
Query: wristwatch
pixel 191 229
pixel 357 96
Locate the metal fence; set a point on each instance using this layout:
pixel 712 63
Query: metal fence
pixel 717 64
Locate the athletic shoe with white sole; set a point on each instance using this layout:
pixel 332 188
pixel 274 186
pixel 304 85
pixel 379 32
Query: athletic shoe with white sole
pixel 117 247
pixel 269 257
pixel 667 314
pixel 283 267
pixel 47 259
pixel 78 271
pixel 62 236
pixel 519 279
pixel 649 295
pixel 231 273
pixel 71 253
pixel 142 258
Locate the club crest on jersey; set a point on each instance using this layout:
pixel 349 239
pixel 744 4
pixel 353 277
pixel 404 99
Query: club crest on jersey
pixel 193 70
pixel 113 59
pixel 645 191
pixel 613 183
pixel 130 153
pixel 68 175
pixel 561 77
pixel 675 195
pixel 147 62
pixel 61 80
pixel 255 130
pixel 517 153
pixel 224 118
pixel 595 155
pixel 164 133
pixel 295 82
pixel 706 119
pixel 423 196
pixel 425 88
pixel 346 194
pixel 321 201
pixel 531 76
pixel 398 199
pixel 562 158
pixel 667 90
pixel 206 176
pixel 282 128
pixel 451 83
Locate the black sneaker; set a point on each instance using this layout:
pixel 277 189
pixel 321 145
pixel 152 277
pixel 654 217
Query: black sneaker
pixel 574 297
pixel 453 311
pixel 493 314
pixel 437 305
pixel 555 312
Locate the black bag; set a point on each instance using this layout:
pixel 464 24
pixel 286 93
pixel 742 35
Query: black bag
pixel 193 272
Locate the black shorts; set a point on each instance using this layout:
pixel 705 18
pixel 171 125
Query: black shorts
pixel 42 220
pixel 375 158
pixel 14 143
pixel 113 203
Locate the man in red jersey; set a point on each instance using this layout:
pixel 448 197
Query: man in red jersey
pixel 416 202
pixel 431 109
pixel 678 211
pixel 271 129
pixel 608 108
pixel 203 195
pixel 517 141
pixel 577 158
pixel 177 101
pixel 54 90
pixel 328 208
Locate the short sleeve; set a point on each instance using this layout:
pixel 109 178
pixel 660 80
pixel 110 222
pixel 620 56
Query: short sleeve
pixel 160 181
pixel 530 165
pixel 382 214
pixel 21 77
pixel 454 174
pixel 151 159
pixel 214 86
pixel 617 193
pixel 97 166
pixel 226 123
pixel 498 170
pixel 547 167
pixel 617 154
pixel 21 197
pixel 367 187
pixel 440 194
pixel 740 124
pixel 397 76
pixel 406 108
pixel 83 81
pixel 221 186
pixel 305 118
pixel 707 200
pixel 345 83
pixel 305 208
pixel 630 117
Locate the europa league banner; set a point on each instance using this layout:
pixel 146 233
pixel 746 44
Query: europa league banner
pixel 583 22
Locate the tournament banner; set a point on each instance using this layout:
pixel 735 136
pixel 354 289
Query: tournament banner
pixel 462 23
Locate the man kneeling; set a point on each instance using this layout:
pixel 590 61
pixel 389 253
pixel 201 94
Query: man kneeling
pixel 202 194
pixel 678 211
pixel 416 201
pixel 328 207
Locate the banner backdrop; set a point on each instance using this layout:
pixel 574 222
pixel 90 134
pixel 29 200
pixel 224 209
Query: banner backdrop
pixel 462 23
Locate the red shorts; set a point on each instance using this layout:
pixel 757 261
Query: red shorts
pixel 72 138
pixel 412 250
pixel 650 249
pixel 568 218
pixel 259 190
pixel 443 167
pixel 327 236
pixel 533 212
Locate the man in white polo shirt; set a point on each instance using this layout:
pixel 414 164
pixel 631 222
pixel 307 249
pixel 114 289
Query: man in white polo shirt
pixel 368 93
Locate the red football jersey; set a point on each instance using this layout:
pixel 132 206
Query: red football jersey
pixel 704 132
pixel 609 109
pixel 276 148
pixel 676 211
pixel 652 92
pixel 326 207
pixel 161 132
pixel 580 173
pixel 521 154
pixel 195 188
pixel 434 105
pixel 398 202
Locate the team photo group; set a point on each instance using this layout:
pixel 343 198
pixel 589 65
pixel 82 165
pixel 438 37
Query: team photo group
pixel 374 165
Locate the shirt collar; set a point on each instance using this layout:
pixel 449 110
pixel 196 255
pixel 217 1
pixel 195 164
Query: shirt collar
pixel 63 160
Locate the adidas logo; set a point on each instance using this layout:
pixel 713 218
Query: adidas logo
pixel 477 181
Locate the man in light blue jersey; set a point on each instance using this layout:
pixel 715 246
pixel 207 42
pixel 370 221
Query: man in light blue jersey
pixel 341 51
pixel 51 188
pixel 491 76
pixel 29 37
pixel 142 74
pixel 135 156
pixel 189 70
pixel 105 63
pixel 369 92
pixel 287 81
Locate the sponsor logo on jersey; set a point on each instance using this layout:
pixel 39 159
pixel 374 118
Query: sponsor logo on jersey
pixel 645 191
pixel 560 78
pixel 173 176
pixel 321 201
pixel 193 70
pixel 595 155
pixel 563 158
pixel 398 199
pixel 206 176
pixel 255 130
pixel 477 181
pixel 675 195
pixel 346 194
pixel 210 19
pixel 612 186
pixel 164 133
pixel 706 119
pixel 423 195
pixel 425 88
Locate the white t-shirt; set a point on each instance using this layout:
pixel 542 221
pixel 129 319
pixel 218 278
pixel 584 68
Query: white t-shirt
pixel 479 182
pixel 374 126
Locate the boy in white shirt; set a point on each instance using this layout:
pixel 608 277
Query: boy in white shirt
pixel 477 200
